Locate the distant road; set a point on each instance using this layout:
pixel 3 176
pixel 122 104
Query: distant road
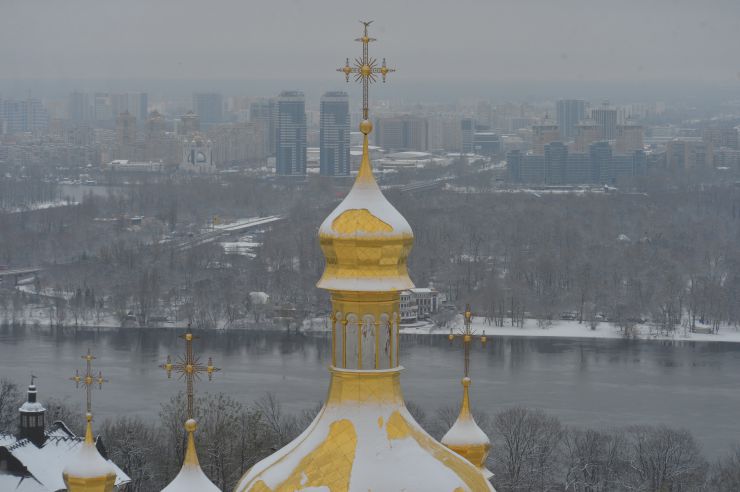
pixel 227 229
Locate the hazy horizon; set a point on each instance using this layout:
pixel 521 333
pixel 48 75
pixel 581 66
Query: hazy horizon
pixel 569 41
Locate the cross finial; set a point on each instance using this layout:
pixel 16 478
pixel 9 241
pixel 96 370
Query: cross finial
pixel 365 68
pixel 189 368
pixel 467 333
pixel 87 380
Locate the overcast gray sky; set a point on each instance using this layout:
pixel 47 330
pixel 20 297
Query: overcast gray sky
pixel 306 39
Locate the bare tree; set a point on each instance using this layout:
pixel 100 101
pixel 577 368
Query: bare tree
pixel 524 449
pixel 10 399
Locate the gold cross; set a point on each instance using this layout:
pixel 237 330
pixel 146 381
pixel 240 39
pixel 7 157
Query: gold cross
pixel 467 333
pixel 365 68
pixel 189 368
pixel 89 379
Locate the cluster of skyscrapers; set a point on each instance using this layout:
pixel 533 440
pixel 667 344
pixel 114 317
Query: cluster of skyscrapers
pixel 576 149
pixel 283 120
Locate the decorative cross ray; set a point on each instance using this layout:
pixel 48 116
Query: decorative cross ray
pixel 365 68
pixel 189 368
pixel 467 333
pixel 89 379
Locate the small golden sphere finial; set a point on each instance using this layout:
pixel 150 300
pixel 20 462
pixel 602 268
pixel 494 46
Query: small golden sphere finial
pixel 88 416
pixel 366 127
pixel 190 425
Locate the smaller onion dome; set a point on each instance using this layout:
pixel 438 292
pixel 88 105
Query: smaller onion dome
pixel 466 438
pixel 191 478
pixel 87 471
pixel 365 240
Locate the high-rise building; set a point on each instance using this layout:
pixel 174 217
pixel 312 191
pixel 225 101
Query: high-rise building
pixel 136 103
pixel 578 168
pixel 334 134
pixel 569 113
pixel 543 134
pixel 264 114
pixel 689 153
pixel 587 132
pixel 125 129
pixel 237 144
pixel 28 115
pixel 467 128
pixel 291 134
pixel 486 143
pixel 721 137
pixel 402 133
pixel 629 138
pixel 514 165
pixel 532 169
pixel 601 158
pixel 444 133
pixel 102 109
pixel 189 124
pixel 78 107
pixel 556 160
pixel 606 118
pixel 155 125
pixel 209 106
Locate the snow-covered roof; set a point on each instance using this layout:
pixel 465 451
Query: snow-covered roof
pixel 15 483
pixel 29 407
pixel 47 463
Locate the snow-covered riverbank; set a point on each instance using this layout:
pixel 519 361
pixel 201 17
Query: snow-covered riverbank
pixel 557 329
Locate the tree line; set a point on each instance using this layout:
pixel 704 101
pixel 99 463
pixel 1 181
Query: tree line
pixel 531 450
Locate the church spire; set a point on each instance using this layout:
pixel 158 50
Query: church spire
pixel 88 471
pixel 32 414
pixel 191 477
pixel 465 437
pixel 364 437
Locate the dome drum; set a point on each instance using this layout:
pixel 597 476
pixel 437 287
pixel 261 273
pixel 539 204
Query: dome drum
pixel 365 330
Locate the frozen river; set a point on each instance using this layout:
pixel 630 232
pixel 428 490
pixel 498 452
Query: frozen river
pixel 599 383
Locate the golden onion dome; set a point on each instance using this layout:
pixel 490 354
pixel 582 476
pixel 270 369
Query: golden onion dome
pixel 365 240
pixel 466 438
pixel 87 471
pixel 191 477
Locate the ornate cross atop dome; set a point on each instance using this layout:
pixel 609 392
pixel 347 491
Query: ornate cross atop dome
pixel 365 70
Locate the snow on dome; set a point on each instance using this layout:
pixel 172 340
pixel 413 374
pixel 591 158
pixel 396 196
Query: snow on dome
pixel 466 438
pixel 363 439
pixel 87 462
pixel 365 202
pixel 191 477
pixel 32 407
pixel 366 241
